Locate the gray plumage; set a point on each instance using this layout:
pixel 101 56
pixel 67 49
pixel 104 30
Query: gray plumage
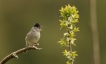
pixel 33 36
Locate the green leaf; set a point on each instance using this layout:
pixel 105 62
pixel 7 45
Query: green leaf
pixel 62 42
pixel 72 41
pixel 66 53
pixel 68 62
pixel 76 29
pixel 72 34
pixel 74 54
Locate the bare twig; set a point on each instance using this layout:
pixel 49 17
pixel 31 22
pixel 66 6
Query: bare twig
pixel 14 54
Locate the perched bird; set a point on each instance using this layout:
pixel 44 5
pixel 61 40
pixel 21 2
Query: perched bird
pixel 33 36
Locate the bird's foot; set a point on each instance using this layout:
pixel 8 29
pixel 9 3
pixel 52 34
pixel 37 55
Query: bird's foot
pixel 36 44
pixel 37 48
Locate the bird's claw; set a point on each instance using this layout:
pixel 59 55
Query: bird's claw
pixel 36 44
pixel 37 48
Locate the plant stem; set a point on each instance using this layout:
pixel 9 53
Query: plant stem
pixel 70 47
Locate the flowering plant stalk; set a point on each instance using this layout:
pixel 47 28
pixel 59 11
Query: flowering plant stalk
pixel 70 18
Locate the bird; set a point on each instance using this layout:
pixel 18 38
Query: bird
pixel 33 35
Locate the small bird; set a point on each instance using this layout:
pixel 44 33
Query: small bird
pixel 33 36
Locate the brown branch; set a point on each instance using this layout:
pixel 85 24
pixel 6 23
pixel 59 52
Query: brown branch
pixel 14 54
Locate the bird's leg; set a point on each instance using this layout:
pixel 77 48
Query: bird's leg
pixel 36 44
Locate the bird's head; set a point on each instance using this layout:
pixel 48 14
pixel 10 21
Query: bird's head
pixel 37 25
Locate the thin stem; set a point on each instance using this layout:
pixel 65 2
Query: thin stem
pixel 70 50
pixel 70 47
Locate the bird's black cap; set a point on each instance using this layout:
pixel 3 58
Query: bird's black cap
pixel 37 25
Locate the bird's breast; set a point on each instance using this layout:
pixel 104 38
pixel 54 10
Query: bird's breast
pixel 36 35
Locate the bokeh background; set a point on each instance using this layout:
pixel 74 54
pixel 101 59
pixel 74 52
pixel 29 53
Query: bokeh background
pixel 18 16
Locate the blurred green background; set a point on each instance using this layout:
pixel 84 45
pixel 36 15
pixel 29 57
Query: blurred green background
pixel 18 16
